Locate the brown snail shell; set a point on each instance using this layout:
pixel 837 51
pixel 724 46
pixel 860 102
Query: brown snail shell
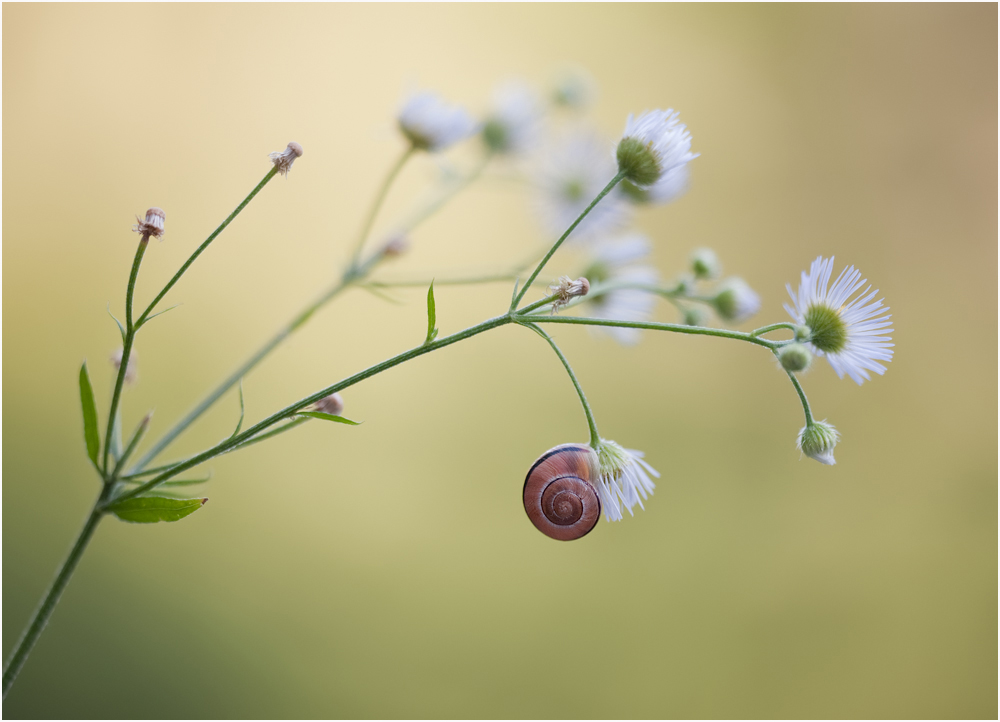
pixel 559 495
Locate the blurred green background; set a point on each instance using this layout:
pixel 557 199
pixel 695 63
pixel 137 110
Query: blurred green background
pixel 389 570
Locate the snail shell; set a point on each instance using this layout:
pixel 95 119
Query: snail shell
pixel 559 497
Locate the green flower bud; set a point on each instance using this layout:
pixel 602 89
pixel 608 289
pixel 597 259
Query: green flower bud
pixel 694 317
pixel 817 441
pixel 794 357
pixel 705 264
pixel 802 334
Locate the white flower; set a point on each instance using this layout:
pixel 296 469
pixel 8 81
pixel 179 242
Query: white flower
pixel 850 333
pixel 619 260
pixel 623 479
pixel 570 174
pixel 574 89
pixel 432 124
pixel 652 146
pixel 817 441
pixel 514 123
pixel 671 186
pixel 735 301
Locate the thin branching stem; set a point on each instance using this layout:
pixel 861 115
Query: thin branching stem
pixel 198 251
pixel 126 349
pixel 555 247
pixel 595 437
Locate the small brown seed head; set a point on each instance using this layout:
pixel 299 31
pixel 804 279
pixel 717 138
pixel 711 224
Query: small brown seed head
pixel 153 225
pixel 283 160
pixel 332 404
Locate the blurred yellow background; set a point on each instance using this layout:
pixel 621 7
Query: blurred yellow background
pixel 389 570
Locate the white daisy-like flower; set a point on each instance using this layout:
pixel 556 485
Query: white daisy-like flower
pixel 851 334
pixel 652 146
pixel 514 124
pixel 620 259
pixel 432 124
pixel 623 479
pixel 671 186
pixel 570 174
pixel 735 301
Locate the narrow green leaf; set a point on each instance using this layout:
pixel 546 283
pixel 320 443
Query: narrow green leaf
pixel 535 328
pixel 328 417
pixel 513 296
pixel 158 313
pixel 120 327
pixel 137 435
pixel 381 294
pixel 151 509
pixel 432 331
pixel 239 424
pixel 89 404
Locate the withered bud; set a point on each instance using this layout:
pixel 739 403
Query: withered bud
pixel 283 160
pixel 566 289
pixel 132 370
pixel 153 225
pixel 395 247
pixel 332 404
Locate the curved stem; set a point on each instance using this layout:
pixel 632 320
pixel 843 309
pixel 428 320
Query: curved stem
pixel 653 326
pixel 773 327
pixel 595 437
pixel 291 410
pixel 126 347
pixel 191 259
pixel 802 397
pixel 369 221
pixel 44 611
pixel 534 274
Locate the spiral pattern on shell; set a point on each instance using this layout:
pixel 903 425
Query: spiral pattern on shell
pixel 559 497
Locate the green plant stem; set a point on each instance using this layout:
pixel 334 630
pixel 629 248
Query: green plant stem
pixel 538 269
pixel 457 281
pixel 773 327
pixel 126 347
pixel 654 326
pixel 380 197
pixel 291 410
pixel 429 209
pixel 191 259
pixel 44 611
pixel 802 397
pixel 230 381
pixel 595 437
pixel 353 275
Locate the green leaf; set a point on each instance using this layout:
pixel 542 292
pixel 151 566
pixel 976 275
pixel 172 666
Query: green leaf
pixel 158 313
pixel 239 424
pixel 432 332
pixel 90 431
pixel 328 417
pixel 120 327
pixel 513 296
pixel 151 509
pixel 381 294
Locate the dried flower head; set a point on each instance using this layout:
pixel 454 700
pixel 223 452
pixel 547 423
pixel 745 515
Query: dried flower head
pixel 566 289
pixel 283 160
pixel 332 404
pixel 131 370
pixel 395 247
pixel 153 225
